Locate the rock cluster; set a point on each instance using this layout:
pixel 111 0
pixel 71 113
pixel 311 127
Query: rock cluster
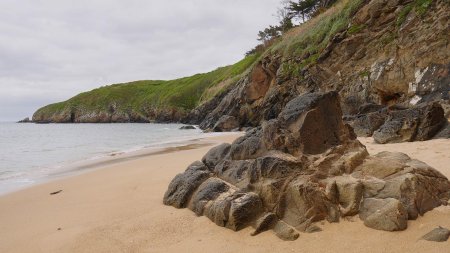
pixel 377 60
pixel 303 167
pixel 113 113
pixel 389 125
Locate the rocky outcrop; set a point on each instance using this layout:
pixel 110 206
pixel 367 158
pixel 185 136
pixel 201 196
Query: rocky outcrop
pixel 25 120
pixel 384 214
pixel 187 127
pixel 112 114
pixel 420 123
pixel 302 167
pixel 254 98
pixel 226 123
pixel 391 54
pixel 395 124
pixel 384 59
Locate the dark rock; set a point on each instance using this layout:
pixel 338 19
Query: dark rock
pixel 200 113
pixel 226 123
pixel 444 133
pixel 188 127
pixel 431 122
pixel 397 124
pixel 25 120
pixel 56 192
pixel 207 191
pixel 417 124
pixel 438 234
pixel 183 185
pixel 236 172
pixel 304 119
pixel 304 167
pixel 215 155
pixel 302 128
pixel 248 146
pixel 243 210
pixel 369 108
pixel 366 124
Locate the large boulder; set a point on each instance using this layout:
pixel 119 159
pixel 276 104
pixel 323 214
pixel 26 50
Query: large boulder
pixel 416 124
pixel 396 124
pixel 303 167
pixel 384 214
pixel 366 124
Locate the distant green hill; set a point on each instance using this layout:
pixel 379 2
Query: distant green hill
pixel 143 101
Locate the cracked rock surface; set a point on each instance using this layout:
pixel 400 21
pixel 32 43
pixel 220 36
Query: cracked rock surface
pixel 303 167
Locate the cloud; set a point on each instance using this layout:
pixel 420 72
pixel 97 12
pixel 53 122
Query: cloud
pixel 51 50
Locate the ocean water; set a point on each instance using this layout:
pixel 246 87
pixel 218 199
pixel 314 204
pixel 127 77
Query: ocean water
pixel 31 153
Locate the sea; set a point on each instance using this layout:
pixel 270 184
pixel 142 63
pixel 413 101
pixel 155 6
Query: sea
pixel 34 153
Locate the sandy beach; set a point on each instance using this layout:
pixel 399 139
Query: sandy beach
pixel 118 208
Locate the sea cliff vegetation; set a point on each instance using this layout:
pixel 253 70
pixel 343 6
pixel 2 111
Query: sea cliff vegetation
pixel 317 45
pixel 145 100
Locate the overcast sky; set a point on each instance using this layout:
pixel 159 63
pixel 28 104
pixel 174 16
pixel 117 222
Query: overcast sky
pixel 51 50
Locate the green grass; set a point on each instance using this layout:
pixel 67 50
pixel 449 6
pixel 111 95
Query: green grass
pixel 403 14
pixel 422 6
pixel 316 35
pixel 182 94
pixel 419 6
pixel 364 73
pixel 299 48
pixel 356 28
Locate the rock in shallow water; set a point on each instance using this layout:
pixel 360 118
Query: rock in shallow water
pixel 303 167
pixel 188 127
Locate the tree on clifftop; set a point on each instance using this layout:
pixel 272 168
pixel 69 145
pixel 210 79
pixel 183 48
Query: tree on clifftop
pixel 305 9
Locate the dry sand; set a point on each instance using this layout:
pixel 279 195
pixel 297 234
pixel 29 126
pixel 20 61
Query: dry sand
pixel 119 209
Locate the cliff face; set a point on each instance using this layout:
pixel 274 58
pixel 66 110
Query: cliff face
pixel 391 53
pixel 376 53
pixel 110 115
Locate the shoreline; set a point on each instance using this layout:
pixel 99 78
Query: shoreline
pixel 119 208
pixel 75 168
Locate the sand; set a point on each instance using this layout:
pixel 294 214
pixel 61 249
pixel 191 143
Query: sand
pixel 119 209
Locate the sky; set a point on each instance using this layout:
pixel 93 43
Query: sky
pixel 51 50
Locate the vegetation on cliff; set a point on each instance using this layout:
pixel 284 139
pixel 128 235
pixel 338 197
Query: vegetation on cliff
pixel 145 99
pixel 149 100
pixel 352 46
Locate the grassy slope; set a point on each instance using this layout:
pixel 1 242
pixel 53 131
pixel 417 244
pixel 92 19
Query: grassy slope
pixel 183 94
pixel 307 41
pixel 186 93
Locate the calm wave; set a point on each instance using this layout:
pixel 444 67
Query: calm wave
pixel 31 152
